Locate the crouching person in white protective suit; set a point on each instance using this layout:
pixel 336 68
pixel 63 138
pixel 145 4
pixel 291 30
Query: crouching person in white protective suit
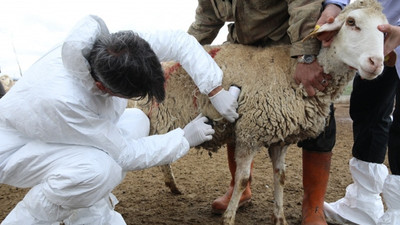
pixel 66 133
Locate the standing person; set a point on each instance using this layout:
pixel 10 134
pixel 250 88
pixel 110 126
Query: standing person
pixel 371 105
pixel 65 130
pixel 265 23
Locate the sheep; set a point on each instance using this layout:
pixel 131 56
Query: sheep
pixel 2 91
pixel 7 82
pixel 274 111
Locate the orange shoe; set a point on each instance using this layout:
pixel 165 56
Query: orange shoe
pixel 220 204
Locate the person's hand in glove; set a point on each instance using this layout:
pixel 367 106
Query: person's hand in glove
pixel 224 103
pixel 197 131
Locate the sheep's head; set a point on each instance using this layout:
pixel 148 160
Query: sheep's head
pixel 359 43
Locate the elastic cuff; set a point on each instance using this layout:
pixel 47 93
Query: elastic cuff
pixel 209 90
pixel 309 47
pixel 340 5
pixel 219 92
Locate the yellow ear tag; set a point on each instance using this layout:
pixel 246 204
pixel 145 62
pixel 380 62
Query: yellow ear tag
pixel 390 59
pixel 313 33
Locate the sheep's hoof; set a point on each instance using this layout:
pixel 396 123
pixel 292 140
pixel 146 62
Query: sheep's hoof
pixel 174 189
pixel 278 220
pixel 169 179
pixel 228 218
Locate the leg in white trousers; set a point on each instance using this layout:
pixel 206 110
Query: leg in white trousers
pixel 391 196
pixel 100 213
pixel 362 203
pixel 69 183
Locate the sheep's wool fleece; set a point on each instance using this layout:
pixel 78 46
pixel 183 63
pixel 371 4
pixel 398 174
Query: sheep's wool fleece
pixel 272 107
pixel 7 82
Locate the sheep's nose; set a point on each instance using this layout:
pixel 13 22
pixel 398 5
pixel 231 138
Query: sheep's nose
pixel 375 62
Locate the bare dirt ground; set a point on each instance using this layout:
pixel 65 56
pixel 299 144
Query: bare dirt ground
pixel 145 200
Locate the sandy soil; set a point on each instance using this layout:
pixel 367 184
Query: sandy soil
pixel 145 200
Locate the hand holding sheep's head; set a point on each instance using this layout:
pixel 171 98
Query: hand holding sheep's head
pixel 359 43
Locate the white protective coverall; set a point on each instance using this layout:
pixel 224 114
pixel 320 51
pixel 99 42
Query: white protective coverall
pixel 71 143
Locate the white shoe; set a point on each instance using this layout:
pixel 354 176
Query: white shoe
pixel 362 203
pixel 391 195
pixel 332 216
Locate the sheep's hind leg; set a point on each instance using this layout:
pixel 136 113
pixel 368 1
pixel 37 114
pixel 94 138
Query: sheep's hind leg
pixel 169 179
pixel 242 176
pixel 277 154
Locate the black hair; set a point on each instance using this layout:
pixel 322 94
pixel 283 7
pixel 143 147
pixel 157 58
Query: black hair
pixel 125 64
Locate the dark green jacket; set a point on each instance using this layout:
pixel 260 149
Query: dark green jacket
pixel 259 22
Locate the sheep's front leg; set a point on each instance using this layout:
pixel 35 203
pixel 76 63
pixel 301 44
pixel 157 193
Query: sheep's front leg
pixel 277 154
pixel 169 178
pixel 242 175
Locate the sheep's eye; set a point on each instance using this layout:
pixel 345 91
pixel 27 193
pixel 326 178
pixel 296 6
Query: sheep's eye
pixel 350 21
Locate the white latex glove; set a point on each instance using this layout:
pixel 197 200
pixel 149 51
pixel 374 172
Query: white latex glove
pixel 197 131
pixel 225 104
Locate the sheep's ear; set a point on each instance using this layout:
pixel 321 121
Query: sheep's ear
pixel 336 25
pixel 327 27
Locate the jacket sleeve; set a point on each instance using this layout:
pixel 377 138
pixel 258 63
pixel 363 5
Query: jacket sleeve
pixel 155 150
pixel 304 14
pixel 179 46
pixel 206 26
pixel 391 9
pixel 130 153
pixel 73 124
pixel 340 3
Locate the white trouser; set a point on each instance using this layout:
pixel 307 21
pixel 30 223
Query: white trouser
pixel 391 196
pixel 65 179
pixel 362 203
pixel 100 213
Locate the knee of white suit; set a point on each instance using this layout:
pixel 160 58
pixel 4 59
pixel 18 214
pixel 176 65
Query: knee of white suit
pixel 84 184
pixel 71 188
pixel 134 123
